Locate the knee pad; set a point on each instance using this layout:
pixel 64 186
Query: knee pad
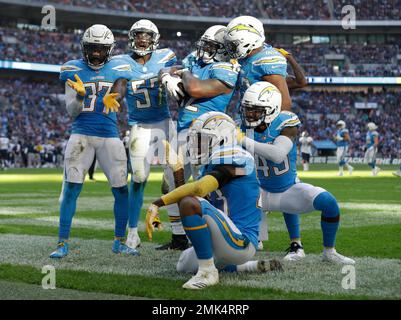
pixel 188 262
pixel 326 203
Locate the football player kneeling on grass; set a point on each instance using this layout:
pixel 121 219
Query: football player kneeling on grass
pixel 272 135
pixel 228 176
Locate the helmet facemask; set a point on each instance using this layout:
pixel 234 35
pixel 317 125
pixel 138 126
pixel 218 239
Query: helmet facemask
pixel 143 41
pixel 208 49
pixel 200 147
pixel 96 54
pixel 252 116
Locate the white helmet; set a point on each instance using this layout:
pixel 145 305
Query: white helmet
pixel 304 134
pixel 209 132
pixel 340 124
pixel 243 34
pixel 371 126
pixel 261 104
pixel 144 27
pixel 100 40
pixel 210 47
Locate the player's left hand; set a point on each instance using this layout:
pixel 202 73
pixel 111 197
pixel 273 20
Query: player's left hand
pixel 285 53
pixel 152 220
pixel 110 102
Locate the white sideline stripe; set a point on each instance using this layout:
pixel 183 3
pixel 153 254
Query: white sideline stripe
pixel 379 278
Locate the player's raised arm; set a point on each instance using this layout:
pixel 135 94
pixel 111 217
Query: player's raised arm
pixel 298 80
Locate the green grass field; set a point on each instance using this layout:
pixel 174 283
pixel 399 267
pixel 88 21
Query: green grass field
pixel 370 232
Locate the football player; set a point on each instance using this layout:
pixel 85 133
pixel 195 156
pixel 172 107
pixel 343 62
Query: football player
pixel 148 112
pixel 342 139
pixel 208 82
pixel 372 143
pixel 245 40
pixel 272 135
pixel 227 171
pixel 93 87
pixel 306 149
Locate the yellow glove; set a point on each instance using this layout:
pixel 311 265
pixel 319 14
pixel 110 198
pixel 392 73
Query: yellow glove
pixel 110 102
pixel 285 53
pixel 78 86
pixel 157 223
pixel 152 220
pixel 173 160
pixel 240 135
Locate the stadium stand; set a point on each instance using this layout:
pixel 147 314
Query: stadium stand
pixel 57 47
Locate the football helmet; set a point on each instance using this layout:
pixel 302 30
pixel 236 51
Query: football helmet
pixel 210 47
pixel 261 104
pixel 243 34
pixel 209 132
pixel 144 37
pixel 304 134
pixel 97 45
pixel 340 124
pixel 371 126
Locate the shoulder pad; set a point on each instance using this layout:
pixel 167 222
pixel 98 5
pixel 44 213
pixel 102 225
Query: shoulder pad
pixel 234 156
pixel 287 119
pixel 71 66
pixel 165 55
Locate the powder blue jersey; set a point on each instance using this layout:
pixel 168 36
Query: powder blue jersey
pixel 340 138
pixel 277 177
pixel 146 99
pixel 192 108
pixel 239 197
pixel 93 120
pixel 264 63
pixel 370 138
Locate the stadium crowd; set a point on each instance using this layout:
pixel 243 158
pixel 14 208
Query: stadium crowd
pixel 58 47
pixel 33 117
pixel 273 9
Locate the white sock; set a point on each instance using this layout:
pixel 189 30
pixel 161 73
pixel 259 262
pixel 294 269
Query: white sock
pixel 206 264
pixel 133 231
pixel 249 266
pixel 329 250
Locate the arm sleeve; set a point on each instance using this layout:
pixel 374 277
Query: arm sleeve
pixel 200 188
pixel 275 152
pixel 73 103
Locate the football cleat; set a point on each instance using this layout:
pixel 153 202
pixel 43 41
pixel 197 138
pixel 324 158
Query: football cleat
pixel 260 245
pixel 340 173
pixel 119 247
pixel 203 278
pixel 333 256
pixel 61 251
pixel 397 173
pixel 295 252
pixel 375 171
pixel 178 242
pixel 350 169
pixel 133 240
